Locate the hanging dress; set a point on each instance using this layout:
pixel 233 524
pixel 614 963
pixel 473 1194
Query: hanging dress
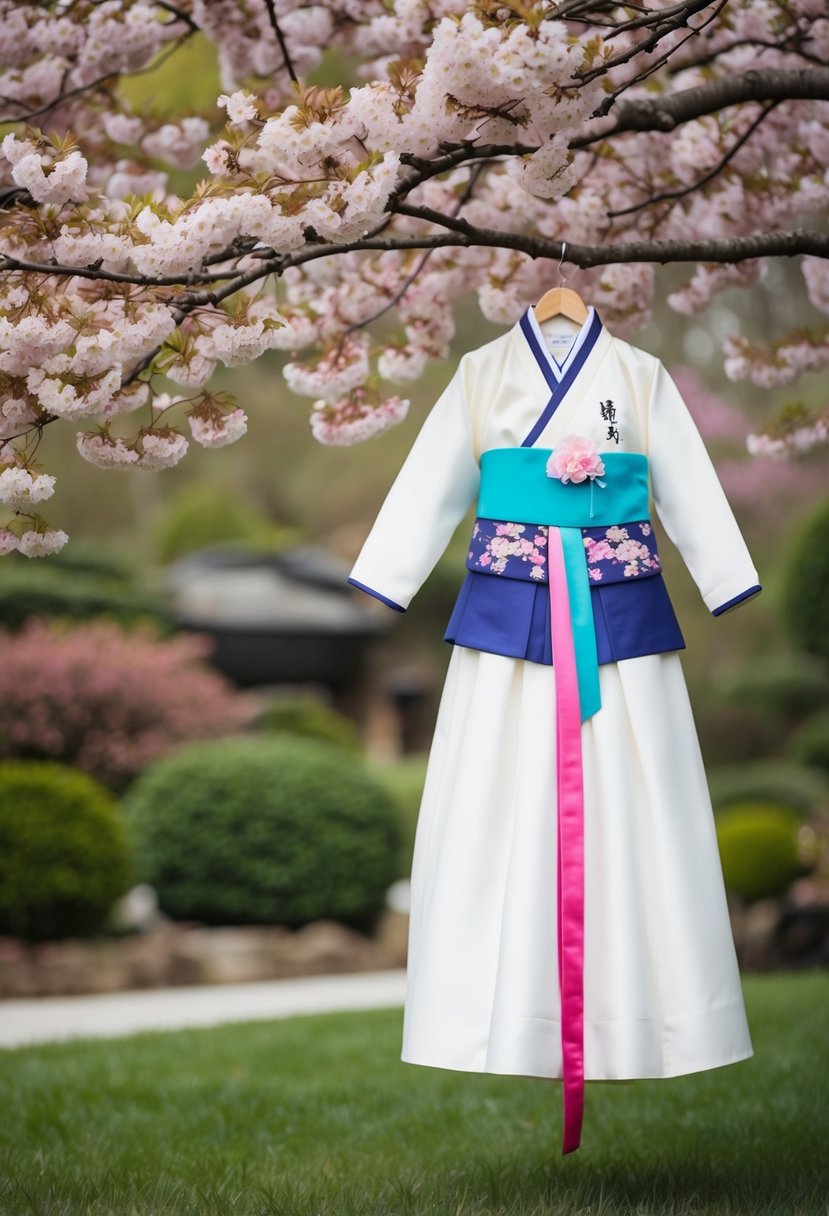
pixel 568 916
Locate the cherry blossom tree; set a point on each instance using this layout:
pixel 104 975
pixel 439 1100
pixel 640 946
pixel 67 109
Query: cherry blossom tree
pixel 471 142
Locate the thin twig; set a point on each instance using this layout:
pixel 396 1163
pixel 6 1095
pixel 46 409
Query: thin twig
pixel 675 195
pixel 280 37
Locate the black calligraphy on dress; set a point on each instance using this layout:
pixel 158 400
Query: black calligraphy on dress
pixel 608 410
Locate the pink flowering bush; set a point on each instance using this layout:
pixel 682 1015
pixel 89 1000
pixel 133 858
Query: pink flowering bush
pixel 107 700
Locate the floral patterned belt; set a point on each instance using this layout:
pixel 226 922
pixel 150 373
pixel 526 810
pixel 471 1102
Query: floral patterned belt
pixel 516 550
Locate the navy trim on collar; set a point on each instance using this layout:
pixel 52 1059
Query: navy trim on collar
pixel 559 388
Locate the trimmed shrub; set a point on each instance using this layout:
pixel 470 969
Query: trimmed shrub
pixel 805 592
pixel 199 516
pixel 29 590
pixel 87 556
pixel 404 778
pixel 758 849
pixel 108 701
pixel 810 743
pixel 785 687
pixel 311 719
pixel 64 851
pixel 265 831
pixel 795 786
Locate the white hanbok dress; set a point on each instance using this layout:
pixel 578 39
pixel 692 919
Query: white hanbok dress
pixel 661 984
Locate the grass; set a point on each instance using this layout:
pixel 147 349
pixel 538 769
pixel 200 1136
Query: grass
pixel 317 1116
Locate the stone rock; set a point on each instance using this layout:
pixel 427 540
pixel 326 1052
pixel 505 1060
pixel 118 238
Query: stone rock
pixel 393 936
pixel 182 953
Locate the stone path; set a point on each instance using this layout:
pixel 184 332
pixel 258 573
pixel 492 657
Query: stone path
pixel 121 1013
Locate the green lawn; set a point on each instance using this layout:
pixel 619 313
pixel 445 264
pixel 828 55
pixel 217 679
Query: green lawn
pixel 317 1115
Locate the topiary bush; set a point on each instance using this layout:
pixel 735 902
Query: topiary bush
pixel 200 516
pixel 107 700
pixel 795 786
pixel 810 743
pixel 404 779
pixel 29 590
pixel 785 687
pixel 758 849
pixel 64 851
pixel 87 555
pixel 805 592
pixel 265 831
pixel 311 719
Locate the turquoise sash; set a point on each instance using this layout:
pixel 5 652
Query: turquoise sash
pixel 515 487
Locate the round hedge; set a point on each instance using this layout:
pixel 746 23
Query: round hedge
pixel 265 831
pixel 758 849
pixel 311 719
pixel 806 586
pixel 404 779
pixel 785 783
pixel 810 742
pixel 44 591
pixel 201 515
pixel 64 851
pixel 784 687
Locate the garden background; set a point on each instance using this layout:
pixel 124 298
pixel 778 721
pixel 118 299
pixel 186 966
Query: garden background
pixel 170 777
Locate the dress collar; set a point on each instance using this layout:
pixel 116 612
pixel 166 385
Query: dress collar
pixel 583 343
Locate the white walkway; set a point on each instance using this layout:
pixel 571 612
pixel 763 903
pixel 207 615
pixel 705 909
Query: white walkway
pixel 120 1013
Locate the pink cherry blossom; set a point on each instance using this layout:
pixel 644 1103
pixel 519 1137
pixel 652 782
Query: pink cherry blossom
pixel 349 225
pixel 9 541
pixel 18 488
pixel 217 429
pixel 241 106
pixel 36 543
pixel 161 449
pixel 104 451
pixel 355 418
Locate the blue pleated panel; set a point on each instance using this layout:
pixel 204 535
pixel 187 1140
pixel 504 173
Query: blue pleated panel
pixel 512 617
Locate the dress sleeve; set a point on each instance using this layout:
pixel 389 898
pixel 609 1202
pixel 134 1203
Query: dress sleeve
pixel 691 503
pixel 427 500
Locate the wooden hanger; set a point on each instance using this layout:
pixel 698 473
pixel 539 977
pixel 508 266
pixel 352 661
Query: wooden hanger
pixel 561 301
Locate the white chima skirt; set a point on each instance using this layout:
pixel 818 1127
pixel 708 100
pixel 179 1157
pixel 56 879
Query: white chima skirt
pixel 662 992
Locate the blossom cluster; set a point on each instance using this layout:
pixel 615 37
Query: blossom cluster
pixel 479 114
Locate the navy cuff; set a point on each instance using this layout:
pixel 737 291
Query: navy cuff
pixel 377 595
pixel 744 595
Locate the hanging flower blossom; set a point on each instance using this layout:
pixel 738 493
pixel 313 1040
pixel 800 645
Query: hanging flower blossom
pixel 9 541
pixel 355 418
pixel 18 488
pixel 215 429
pixel 241 106
pixel 35 543
pixel 101 449
pixel 340 371
pixel 162 448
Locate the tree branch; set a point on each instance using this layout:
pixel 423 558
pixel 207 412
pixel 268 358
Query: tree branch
pixel 663 114
pixel 673 196
pixel 280 37
pixel 665 21
pixel 723 249
pixel 462 234
pixel 407 282
pixel 669 112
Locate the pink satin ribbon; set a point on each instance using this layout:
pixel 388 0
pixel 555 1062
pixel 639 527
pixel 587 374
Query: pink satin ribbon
pixel 570 869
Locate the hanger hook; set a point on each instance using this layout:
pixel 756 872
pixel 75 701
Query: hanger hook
pixel 561 279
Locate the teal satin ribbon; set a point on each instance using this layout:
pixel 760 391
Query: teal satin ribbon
pixel 515 487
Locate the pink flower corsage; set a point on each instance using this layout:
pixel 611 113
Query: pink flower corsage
pixel 576 459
